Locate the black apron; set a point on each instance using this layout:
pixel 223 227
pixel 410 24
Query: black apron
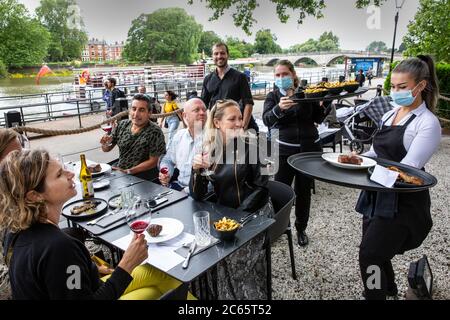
pixel 410 210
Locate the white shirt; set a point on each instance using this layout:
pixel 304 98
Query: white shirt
pixel 422 136
pixel 180 154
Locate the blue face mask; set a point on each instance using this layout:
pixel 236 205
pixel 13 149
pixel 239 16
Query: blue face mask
pixel 284 83
pixel 403 98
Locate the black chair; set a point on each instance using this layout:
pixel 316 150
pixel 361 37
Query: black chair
pixel 282 197
pixel 178 293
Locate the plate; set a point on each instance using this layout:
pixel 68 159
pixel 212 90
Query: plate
pixel 99 210
pixel 171 229
pixel 115 201
pixel 332 158
pixel 101 184
pixel 105 168
pixel 398 184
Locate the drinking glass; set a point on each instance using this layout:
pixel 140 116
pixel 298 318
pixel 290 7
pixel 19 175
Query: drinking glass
pixel 202 228
pixel 136 220
pixel 107 126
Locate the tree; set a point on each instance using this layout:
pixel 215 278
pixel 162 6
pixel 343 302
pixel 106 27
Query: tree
pixel 239 48
pixel 429 31
pixel 377 46
pixel 23 40
pixel 326 42
pixel 62 19
pixel 402 47
pixel 243 9
pixel 265 42
pixel 207 40
pixel 166 34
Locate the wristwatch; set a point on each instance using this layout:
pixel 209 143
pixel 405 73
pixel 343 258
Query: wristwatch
pixel 128 171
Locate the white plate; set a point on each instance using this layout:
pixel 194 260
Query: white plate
pixel 170 229
pixel 105 168
pixel 332 158
pixel 101 184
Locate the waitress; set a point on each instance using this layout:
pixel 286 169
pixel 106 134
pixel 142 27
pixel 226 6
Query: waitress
pixel 396 222
pixel 297 133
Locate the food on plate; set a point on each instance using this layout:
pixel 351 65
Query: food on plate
pixel 349 83
pixel 154 229
pixel 350 158
pixel 336 84
pixel 404 177
pixel 315 90
pixel 95 168
pixel 87 206
pixel 226 224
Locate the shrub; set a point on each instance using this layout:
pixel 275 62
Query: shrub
pixel 3 70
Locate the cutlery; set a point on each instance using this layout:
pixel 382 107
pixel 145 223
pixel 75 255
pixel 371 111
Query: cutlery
pixel 93 222
pixel 247 219
pixel 191 251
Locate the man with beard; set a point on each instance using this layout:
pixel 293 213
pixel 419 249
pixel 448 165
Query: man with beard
pixel 228 83
pixel 140 141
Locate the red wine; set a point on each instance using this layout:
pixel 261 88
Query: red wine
pixel 107 129
pixel 164 170
pixel 139 226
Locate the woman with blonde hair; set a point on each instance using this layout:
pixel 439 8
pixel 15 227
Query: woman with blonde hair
pixel 9 141
pixel 239 184
pixel 46 263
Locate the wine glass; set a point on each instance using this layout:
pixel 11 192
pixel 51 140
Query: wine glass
pixel 106 126
pixel 136 219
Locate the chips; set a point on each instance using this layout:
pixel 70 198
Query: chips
pixel 226 224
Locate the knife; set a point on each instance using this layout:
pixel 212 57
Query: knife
pixel 191 251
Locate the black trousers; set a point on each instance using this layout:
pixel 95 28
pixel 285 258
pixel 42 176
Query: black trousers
pixel 382 239
pixel 302 188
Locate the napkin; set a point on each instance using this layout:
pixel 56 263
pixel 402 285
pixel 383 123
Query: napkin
pixel 182 251
pixel 384 176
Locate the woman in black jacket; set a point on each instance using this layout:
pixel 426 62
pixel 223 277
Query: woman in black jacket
pixel 297 132
pixel 46 263
pixel 238 183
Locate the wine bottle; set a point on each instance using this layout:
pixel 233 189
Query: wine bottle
pixel 87 186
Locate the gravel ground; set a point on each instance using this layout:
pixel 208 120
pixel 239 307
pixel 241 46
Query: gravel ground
pixel 328 267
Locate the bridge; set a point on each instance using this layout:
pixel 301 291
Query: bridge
pixel 320 58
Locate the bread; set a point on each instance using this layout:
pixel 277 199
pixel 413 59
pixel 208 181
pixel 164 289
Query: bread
pixel 350 158
pixel 95 168
pixel 154 229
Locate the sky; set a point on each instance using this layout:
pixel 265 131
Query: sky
pixel 110 20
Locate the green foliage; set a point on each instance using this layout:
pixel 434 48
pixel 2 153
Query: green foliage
pixel 207 40
pixel 265 42
pixel 326 42
pixel 23 40
pixel 243 9
pixel 429 31
pixel 387 81
pixel 65 24
pixel 3 70
pixel 377 46
pixel 166 34
pixel 443 75
pixel 239 48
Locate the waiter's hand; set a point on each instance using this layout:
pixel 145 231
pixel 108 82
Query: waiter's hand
pixel 286 103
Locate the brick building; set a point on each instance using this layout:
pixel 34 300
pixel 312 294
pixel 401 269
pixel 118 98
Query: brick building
pixel 99 51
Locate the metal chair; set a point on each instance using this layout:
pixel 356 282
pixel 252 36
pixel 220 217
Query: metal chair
pixel 282 197
pixel 178 293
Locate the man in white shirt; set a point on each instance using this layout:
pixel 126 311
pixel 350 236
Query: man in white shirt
pixel 180 151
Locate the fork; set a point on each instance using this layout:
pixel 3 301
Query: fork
pixel 94 222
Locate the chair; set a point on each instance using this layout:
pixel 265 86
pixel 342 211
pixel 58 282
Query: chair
pixel 178 293
pixel 282 197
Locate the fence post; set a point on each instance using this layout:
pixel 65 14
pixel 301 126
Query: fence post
pixel 47 106
pixel 79 115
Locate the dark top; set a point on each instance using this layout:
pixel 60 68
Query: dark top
pixel 360 78
pixel 48 264
pixel 233 85
pixel 238 184
pixel 296 125
pixel 137 148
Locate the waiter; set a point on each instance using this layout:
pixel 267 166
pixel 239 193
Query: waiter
pixel 396 222
pixel 228 83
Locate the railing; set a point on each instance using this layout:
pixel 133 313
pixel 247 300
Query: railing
pixel 318 53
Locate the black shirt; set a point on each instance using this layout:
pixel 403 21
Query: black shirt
pixel 296 125
pixel 233 85
pixel 45 263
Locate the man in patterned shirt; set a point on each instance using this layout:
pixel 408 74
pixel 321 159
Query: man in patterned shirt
pixel 140 141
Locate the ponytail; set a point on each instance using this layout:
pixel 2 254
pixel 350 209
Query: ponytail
pixel 422 68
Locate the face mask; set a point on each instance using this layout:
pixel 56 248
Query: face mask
pixel 284 83
pixel 403 98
